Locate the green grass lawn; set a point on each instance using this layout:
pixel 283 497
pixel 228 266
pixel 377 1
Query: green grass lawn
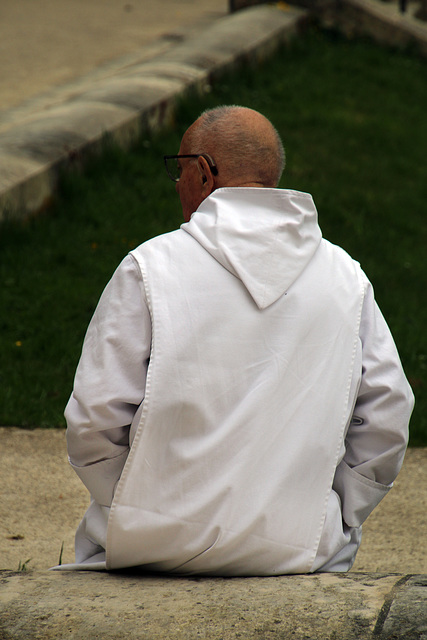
pixel 353 120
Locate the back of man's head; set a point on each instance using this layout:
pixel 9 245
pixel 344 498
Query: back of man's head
pixel 246 147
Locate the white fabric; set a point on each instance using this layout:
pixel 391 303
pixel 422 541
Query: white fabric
pixel 239 407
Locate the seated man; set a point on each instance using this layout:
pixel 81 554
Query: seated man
pixel 239 407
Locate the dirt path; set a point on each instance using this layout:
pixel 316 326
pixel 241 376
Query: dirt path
pixel 42 501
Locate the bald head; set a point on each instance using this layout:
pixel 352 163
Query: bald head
pixel 244 145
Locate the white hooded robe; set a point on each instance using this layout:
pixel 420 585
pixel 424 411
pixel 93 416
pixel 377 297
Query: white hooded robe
pixel 239 407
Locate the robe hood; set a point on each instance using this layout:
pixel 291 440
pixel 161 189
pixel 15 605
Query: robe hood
pixel 264 237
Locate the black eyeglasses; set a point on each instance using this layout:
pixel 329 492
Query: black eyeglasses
pixel 174 169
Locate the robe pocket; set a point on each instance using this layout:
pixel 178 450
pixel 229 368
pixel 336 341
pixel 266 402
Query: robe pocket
pixel 100 478
pixel 359 495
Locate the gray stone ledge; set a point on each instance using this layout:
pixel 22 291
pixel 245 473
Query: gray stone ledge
pixel 24 183
pixel 377 19
pixel 76 605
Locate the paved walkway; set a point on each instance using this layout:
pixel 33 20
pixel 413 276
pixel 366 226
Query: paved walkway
pixel 72 71
pixel 119 95
pixel 49 43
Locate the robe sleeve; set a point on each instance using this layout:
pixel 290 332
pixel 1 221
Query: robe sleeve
pixel 378 434
pixel 109 384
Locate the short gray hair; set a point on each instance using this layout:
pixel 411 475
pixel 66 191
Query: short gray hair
pixel 236 148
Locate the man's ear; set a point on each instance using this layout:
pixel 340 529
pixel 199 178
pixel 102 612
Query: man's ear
pixel 207 178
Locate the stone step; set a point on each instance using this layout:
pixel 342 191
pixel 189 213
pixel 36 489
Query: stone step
pixel 89 605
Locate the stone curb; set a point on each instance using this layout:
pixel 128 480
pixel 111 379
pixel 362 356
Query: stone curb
pixel 380 20
pixel 89 605
pixel 141 96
